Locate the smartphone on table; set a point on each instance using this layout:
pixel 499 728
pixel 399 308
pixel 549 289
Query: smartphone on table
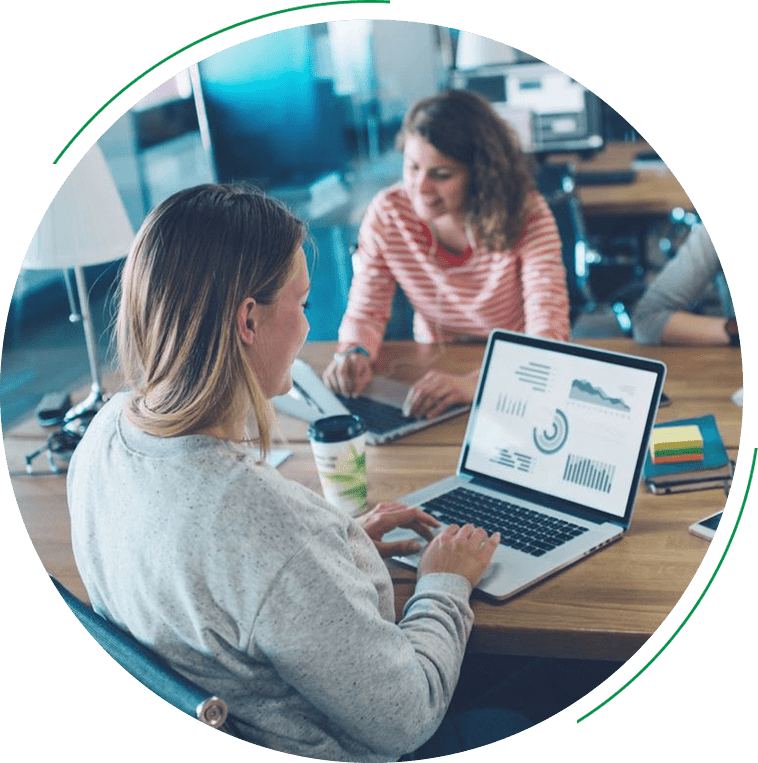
pixel 706 528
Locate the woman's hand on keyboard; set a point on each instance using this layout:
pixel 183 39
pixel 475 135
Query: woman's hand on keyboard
pixel 387 516
pixel 463 550
pixel 435 392
pixel 348 374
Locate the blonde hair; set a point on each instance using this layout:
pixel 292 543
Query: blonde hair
pixel 196 257
pixel 464 126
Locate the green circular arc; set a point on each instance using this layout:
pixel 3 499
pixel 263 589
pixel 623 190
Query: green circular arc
pixel 694 606
pixel 308 6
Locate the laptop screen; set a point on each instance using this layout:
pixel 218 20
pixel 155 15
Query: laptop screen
pixel 563 420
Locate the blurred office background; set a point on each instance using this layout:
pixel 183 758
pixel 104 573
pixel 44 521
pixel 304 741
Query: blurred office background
pixel 310 114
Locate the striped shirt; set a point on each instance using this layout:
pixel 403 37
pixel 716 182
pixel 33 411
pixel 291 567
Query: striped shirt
pixel 521 289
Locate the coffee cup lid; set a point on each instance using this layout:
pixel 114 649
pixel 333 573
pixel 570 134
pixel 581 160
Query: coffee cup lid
pixel 336 428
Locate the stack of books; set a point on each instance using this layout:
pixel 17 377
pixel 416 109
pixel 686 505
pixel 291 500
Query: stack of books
pixel 676 444
pixel 690 456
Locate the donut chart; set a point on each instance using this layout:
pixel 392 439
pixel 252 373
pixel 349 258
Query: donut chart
pixel 551 440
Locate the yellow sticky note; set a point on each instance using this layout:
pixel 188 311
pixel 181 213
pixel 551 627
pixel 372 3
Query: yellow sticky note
pixel 676 437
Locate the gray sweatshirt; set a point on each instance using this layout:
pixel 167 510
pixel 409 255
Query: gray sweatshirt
pixel 691 281
pixel 261 592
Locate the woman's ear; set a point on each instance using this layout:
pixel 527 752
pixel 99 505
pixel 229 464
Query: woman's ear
pixel 246 320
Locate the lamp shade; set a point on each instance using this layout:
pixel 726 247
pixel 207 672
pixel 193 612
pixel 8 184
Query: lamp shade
pixel 86 223
pixel 474 51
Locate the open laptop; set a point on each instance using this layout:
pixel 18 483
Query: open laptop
pixel 380 405
pixel 552 456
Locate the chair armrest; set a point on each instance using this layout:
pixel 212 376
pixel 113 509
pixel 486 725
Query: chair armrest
pixel 146 666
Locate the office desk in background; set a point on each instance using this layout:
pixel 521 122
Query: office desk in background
pixel 604 607
pixel 627 223
pixel 654 192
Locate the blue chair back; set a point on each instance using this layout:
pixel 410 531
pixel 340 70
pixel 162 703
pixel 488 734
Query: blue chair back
pixel 147 667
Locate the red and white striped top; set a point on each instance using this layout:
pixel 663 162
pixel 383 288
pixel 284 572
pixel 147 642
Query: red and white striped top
pixel 521 289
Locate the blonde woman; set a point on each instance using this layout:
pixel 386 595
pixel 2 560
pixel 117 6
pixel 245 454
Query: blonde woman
pixel 469 239
pixel 247 583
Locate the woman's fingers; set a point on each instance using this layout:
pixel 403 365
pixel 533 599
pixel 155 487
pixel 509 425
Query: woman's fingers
pixel 332 377
pixel 398 548
pixel 435 392
pixel 441 403
pixel 387 516
pixel 423 396
pixel 348 375
pixel 466 550
pixel 361 374
pixel 463 550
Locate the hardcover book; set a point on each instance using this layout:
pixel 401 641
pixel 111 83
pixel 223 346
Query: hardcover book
pixel 713 471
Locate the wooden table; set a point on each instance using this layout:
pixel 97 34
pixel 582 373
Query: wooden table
pixel 606 606
pixel 603 608
pixel 654 191
pixel 699 380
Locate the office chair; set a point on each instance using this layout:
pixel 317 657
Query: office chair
pixel 557 184
pixel 670 237
pixel 148 668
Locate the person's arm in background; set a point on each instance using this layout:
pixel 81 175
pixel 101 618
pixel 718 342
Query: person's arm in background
pixel 369 304
pixel 543 276
pixel 662 316
pixel 690 329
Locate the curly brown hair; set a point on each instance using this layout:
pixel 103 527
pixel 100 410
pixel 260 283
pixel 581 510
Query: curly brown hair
pixel 464 126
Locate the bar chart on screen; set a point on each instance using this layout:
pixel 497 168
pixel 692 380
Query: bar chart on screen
pixel 589 473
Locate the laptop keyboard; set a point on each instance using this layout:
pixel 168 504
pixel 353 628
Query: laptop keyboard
pixel 379 417
pixel 520 528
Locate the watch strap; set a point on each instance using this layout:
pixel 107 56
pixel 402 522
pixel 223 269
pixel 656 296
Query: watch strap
pixel 730 326
pixel 354 350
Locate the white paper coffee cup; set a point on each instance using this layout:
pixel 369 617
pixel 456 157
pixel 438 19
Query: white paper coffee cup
pixel 339 449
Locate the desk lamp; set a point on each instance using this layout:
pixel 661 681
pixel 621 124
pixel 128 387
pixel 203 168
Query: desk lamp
pixel 86 224
pixel 474 51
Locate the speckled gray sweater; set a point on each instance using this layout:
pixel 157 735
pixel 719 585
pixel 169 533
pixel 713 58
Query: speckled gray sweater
pixel 258 590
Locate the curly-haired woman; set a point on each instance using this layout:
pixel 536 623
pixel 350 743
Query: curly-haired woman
pixel 469 239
